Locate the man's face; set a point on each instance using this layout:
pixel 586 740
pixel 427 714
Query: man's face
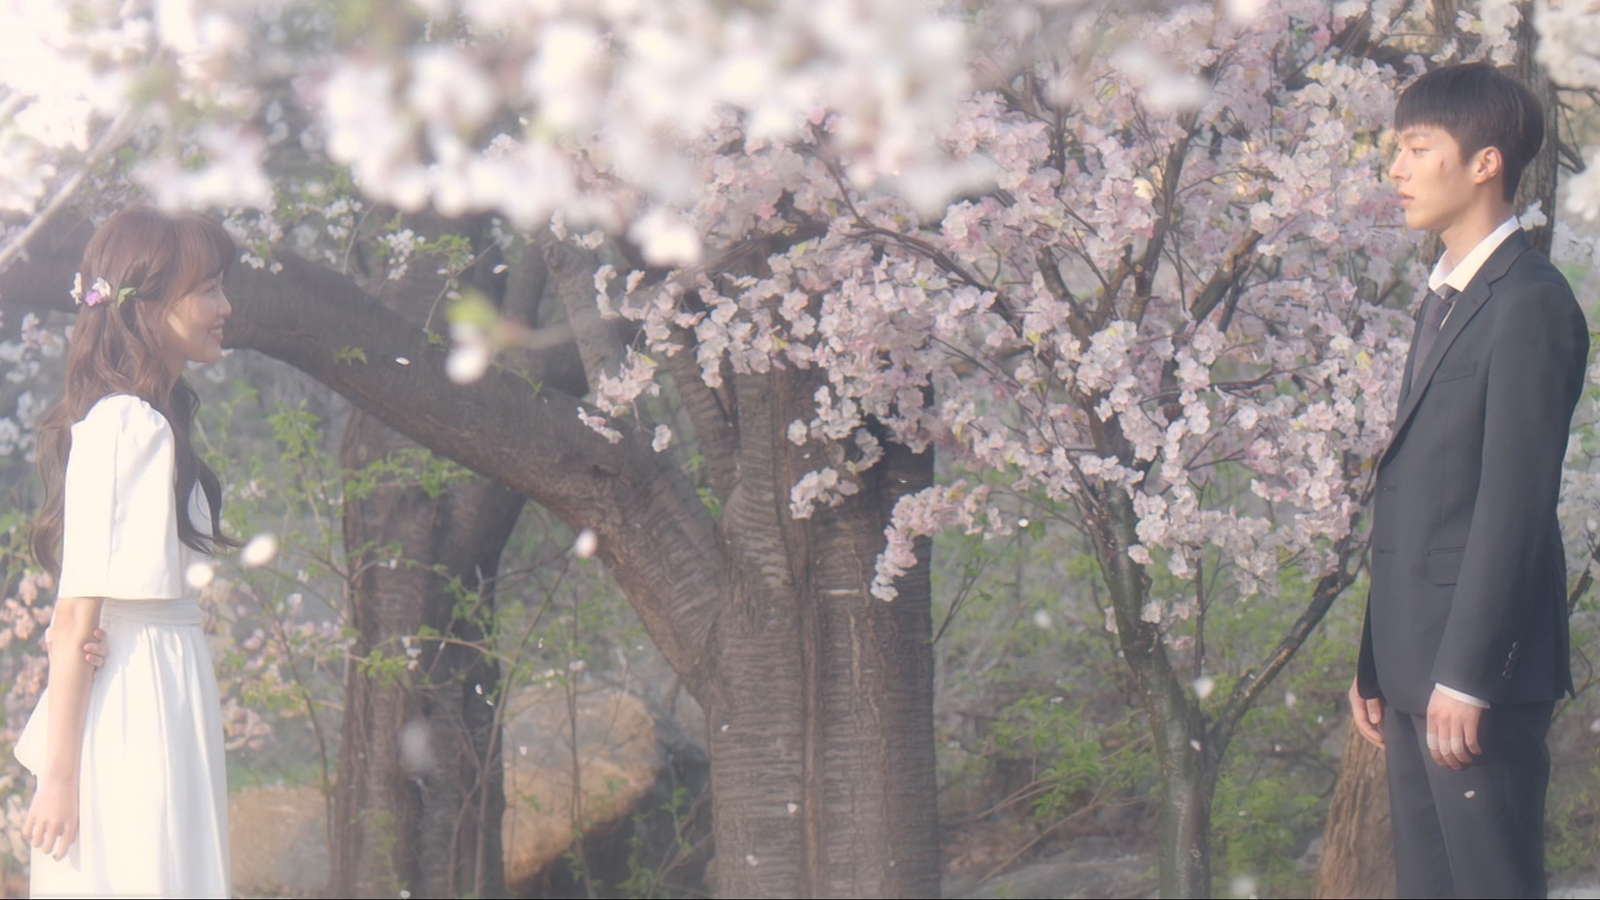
pixel 1434 182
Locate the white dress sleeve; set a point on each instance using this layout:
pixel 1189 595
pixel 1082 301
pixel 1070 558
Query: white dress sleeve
pixel 120 526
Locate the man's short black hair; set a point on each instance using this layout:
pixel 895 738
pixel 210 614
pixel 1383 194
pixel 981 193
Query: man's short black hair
pixel 1480 107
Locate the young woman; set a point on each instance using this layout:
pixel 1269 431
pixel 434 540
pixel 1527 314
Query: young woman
pixel 132 793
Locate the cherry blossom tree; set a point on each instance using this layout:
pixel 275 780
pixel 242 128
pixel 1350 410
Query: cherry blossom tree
pixel 1172 290
pixel 1132 271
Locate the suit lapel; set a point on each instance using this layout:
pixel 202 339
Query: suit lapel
pixel 1405 376
pixel 1467 304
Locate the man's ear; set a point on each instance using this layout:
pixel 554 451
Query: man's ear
pixel 1487 164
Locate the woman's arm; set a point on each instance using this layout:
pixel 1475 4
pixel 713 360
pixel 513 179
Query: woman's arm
pixel 94 652
pixel 52 823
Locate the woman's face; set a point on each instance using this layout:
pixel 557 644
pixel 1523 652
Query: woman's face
pixel 192 329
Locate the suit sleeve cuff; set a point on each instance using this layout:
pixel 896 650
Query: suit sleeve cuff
pixel 1464 698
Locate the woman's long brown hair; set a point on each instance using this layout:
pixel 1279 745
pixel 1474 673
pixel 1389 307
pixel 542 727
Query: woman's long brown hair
pixel 157 259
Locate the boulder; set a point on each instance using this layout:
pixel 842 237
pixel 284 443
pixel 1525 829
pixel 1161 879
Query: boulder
pixel 640 805
pixel 278 841
pixel 639 800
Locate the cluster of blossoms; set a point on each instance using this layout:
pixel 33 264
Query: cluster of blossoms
pixel 24 616
pixel 524 109
pixel 1171 265
pixel 1569 49
pixel 1164 292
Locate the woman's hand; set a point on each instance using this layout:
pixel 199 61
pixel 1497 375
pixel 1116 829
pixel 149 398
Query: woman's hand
pixel 52 823
pixel 94 652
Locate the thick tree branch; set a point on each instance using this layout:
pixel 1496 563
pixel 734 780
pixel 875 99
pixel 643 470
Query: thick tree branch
pixel 1227 276
pixel 656 537
pixel 572 271
pixel 716 430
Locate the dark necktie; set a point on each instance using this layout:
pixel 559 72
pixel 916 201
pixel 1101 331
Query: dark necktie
pixel 1434 308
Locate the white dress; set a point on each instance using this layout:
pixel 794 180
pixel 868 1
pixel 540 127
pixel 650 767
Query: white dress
pixel 153 798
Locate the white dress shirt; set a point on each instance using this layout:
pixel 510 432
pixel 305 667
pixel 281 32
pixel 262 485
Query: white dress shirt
pixel 1457 278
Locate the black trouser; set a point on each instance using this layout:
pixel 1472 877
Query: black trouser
pixel 1479 831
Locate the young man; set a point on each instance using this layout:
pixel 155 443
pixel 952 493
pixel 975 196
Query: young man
pixel 1464 652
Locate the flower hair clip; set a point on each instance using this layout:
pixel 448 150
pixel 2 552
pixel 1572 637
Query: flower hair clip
pixel 99 292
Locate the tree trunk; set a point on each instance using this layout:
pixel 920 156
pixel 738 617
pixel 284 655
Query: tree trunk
pixel 419 798
pixel 1538 183
pixel 820 717
pixel 1357 849
pixel 1186 759
pixel 825 692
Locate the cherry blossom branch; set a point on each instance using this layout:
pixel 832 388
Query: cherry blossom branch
pixel 1350 549
pixel 110 139
pixel 1227 276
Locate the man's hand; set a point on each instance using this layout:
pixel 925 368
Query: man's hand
pixel 94 652
pixel 1452 730
pixel 1367 715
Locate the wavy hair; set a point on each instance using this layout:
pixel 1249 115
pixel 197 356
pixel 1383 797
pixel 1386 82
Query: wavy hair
pixel 157 259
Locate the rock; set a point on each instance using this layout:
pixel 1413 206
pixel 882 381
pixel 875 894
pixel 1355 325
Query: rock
pixel 1089 866
pixel 630 764
pixel 278 841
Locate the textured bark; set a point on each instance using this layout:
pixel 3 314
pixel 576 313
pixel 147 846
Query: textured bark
pixel 816 694
pixel 420 812
pixel 822 759
pixel 419 798
pixel 1357 848
pixel 1539 179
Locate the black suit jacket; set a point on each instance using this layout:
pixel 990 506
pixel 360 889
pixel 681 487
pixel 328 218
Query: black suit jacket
pixel 1468 573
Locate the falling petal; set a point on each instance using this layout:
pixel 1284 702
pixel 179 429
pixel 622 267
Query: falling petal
pixel 1470 794
pixel 586 543
pixel 402 360
pixel 1242 12
pixel 1289 699
pixel 1203 686
pixel 260 550
pixel 199 575
pixel 416 747
pixel 470 353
